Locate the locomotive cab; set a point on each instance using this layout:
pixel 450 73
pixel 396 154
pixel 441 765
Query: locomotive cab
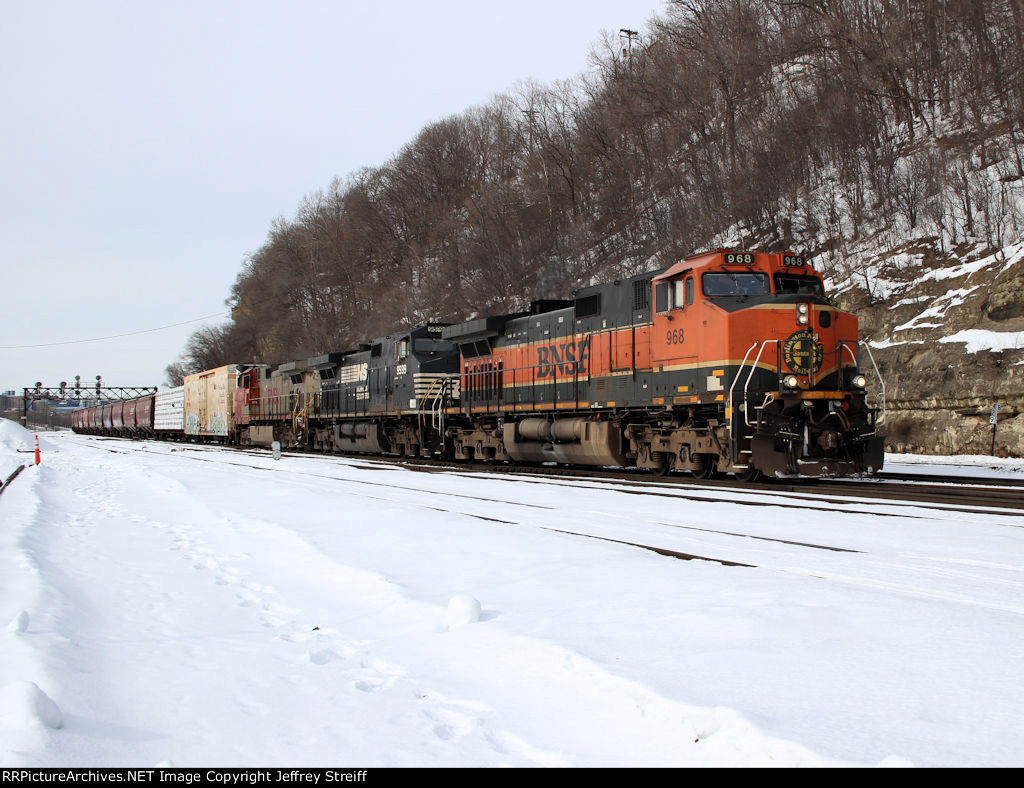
pixel 392 393
pixel 248 391
pixel 424 363
pixel 678 322
pixel 769 366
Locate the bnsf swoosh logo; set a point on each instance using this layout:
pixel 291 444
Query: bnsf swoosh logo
pixel 566 358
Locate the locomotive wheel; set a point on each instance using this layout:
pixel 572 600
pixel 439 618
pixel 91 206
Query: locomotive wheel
pixel 666 466
pixel 749 475
pixel 709 468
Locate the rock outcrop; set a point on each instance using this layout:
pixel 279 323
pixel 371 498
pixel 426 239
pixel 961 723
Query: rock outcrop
pixel 947 331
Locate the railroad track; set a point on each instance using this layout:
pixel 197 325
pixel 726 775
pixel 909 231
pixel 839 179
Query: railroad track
pixel 5 483
pixel 838 534
pixel 929 478
pixel 970 496
pixel 976 496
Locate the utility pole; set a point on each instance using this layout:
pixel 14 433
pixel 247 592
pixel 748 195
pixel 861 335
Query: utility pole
pixel 630 36
pixel 531 114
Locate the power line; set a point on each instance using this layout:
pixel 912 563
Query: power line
pixel 115 336
pixel 250 304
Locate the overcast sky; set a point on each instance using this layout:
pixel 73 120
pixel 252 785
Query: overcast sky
pixel 145 147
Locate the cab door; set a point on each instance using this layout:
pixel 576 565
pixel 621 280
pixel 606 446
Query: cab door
pixel 676 328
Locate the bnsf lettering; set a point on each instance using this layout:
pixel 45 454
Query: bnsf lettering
pixel 567 358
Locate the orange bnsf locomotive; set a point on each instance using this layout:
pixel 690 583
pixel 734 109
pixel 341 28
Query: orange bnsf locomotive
pixel 725 362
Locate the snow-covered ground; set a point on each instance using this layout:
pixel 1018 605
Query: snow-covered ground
pixel 191 607
pixel 972 466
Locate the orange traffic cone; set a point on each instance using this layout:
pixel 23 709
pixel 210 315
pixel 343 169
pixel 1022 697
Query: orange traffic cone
pixel 37 449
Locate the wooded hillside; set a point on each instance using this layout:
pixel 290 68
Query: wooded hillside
pixel 812 125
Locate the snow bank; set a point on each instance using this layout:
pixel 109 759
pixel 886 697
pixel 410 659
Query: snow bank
pixel 24 705
pixel 16 438
pixel 462 610
pixel 13 436
pixel 19 623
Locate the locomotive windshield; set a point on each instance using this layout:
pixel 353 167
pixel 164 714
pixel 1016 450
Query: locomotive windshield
pixel 796 283
pixel 727 283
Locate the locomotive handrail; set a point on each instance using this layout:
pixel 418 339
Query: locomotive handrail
pixel 481 375
pixel 735 380
pixel 746 386
pixel 878 374
pixel 437 406
pixel 281 406
pixel 845 343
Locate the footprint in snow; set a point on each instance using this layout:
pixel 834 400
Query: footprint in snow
pixel 323 656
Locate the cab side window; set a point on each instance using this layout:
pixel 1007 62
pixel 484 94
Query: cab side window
pixel 674 294
pixel 678 294
pixel 682 293
pixel 661 294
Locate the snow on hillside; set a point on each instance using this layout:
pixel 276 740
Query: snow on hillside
pixel 165 604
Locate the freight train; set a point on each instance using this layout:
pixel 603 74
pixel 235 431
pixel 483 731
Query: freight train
pixel 726 362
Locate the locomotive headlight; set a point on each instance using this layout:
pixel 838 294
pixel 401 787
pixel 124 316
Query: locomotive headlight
pixel 859 382
pixel 790 382
pixel 803 314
